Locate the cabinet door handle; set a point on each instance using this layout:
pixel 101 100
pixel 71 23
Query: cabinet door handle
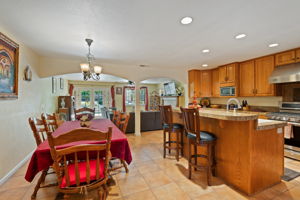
pixel 253 91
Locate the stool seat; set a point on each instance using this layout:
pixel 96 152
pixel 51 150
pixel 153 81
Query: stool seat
pixel 175 126
pixel 204 136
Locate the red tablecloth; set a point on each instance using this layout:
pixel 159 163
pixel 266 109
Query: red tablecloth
pixel 41 158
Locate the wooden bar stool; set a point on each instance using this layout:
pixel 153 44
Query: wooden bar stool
pixel 198 138
pixel 170 127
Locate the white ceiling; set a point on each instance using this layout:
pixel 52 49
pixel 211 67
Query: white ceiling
pixel 134 32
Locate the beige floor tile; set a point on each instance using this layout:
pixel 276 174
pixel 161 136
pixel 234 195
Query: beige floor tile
pixel 114 193
pixel 176 173
pixel 292 194
pixel 147 167
pixel 144 195
pixel 132 185
pixel 208 196
pixel 13 194
pixel 14 182
pixel 170 192
pixel 193 188
pixel 156 179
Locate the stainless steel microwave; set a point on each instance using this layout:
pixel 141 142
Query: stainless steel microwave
pixel 227 91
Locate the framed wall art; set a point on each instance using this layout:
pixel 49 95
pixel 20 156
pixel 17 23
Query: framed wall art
pixel 118 90
pixel 9 63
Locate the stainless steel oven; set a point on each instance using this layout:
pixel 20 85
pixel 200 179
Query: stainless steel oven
pixel 290 112
pixel 227 91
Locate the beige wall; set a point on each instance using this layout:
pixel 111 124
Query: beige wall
pixel 254 101
pixel 35 97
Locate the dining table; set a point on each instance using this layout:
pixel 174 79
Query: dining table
pixel 41 158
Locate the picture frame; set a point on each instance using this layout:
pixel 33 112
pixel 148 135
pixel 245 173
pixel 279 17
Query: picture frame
pixel 61 83
pixel 9 67
pixel 119 90
pixel 54 85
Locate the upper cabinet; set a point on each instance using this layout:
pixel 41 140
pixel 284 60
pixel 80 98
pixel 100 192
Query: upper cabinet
pixel 215 83
pixel 194 83
pixel 247 79
pixel 205 83
pixel 200 83
pixel 254 77
pixel 263 69
pixel 287 57
pixel 228 74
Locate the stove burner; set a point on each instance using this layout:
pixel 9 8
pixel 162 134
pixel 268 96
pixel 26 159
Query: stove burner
pixel 284 116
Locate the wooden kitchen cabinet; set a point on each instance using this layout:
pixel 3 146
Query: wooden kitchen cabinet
pixel 247 78
pixel 215 83
pixel 286 57
pixel 228 74
pixel 263 69
pixel 205 83
pixel 254 77
pixel 298 55
pixel 194 83
pixel 222 74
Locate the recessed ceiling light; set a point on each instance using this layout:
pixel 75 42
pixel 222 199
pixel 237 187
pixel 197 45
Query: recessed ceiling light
pixel 240 36
pixel 273 45
pixel 205 51
pixel 205 65
pixel 186 20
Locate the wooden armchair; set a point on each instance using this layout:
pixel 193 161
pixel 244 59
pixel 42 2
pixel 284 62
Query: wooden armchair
pixel 116 117
pixel 123 122
pixel 81 167
pixel 39 129
pixel 84 111
pixel 50 122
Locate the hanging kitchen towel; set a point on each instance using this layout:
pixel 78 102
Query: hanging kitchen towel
pixel 288 131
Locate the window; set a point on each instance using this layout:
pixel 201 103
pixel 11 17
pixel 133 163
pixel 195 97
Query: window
pixel 98 101
pixel 143 96
pixel 130 96
pixel 85 98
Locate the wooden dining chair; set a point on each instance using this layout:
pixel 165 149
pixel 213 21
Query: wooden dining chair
pixel 116 117
pixel 50 122
pixel 123 122
pixel 168 128
pixel 84 111
pixel 39 132
pixel 83 167
pixel 196 138
pixel 122 125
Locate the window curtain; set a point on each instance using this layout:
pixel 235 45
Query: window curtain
pixel 113 101
pixel 71 88
pixel 124 95
pixel 146 97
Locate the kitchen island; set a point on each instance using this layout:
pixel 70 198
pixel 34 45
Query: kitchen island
pixel 249 151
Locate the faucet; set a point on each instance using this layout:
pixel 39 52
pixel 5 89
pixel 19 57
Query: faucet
pixel 233 99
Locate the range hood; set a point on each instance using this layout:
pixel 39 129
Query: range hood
pixel 286 74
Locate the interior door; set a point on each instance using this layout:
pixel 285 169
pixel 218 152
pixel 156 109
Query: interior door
pixel 263 69
pixel 247 79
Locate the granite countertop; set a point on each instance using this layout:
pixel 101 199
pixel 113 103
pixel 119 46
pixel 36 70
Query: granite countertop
pixel 264 124
pixel 223 114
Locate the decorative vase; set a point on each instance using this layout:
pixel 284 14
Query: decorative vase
pixel 62 103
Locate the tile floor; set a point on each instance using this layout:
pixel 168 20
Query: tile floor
pixel 152 177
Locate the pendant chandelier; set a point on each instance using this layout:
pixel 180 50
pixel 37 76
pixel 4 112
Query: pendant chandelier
pixel 89 71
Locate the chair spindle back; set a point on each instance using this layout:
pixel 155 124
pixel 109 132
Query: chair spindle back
pixel 191 119
pixel 38 130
